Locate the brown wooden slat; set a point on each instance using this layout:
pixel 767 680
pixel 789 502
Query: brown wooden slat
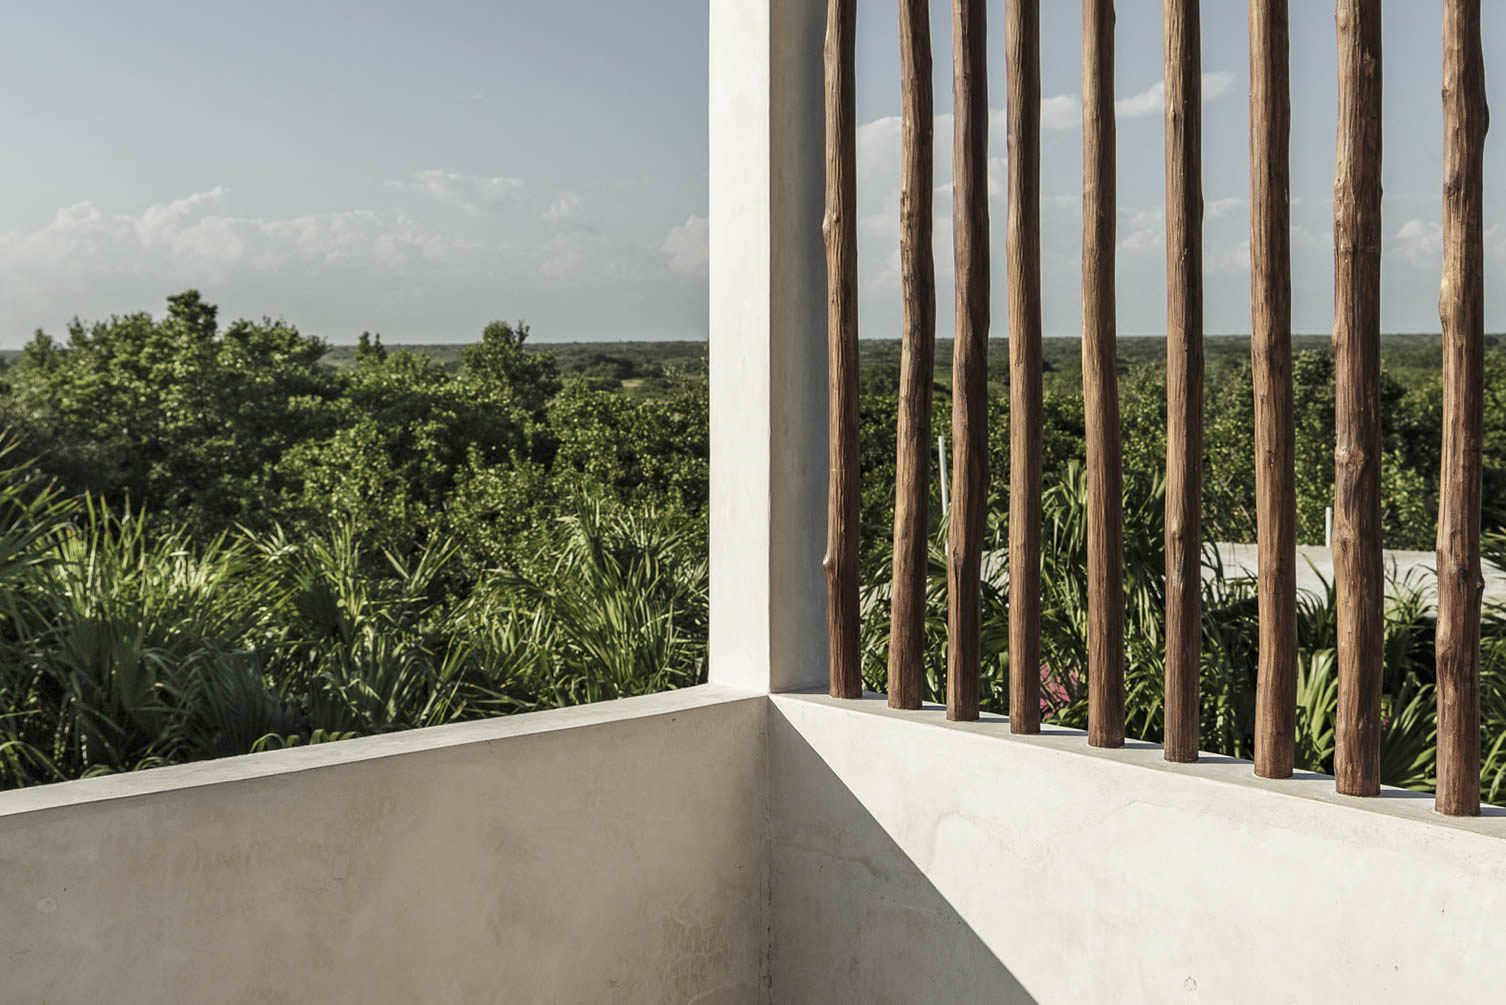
pixel 1357 557
pixel 1022 31
pixel 1100 383
pixel 839 228
pixel 1462 309
pixel 969 354
pixel 1184 373
pixel 917 358
pixel 1271 365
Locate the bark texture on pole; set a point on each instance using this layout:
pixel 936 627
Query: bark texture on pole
pixel 1461 306
pixel 969 354
pixel 1184 374
pixel 839 228
pixel 1022 31
pixel 1101 383
pixel 1357 558
pixel 907 610
pixel 1271 366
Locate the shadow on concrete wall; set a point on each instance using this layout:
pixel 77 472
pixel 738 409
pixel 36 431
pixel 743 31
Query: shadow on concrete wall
pixel 853 919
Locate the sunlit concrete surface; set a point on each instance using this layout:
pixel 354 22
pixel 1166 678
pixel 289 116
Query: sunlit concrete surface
pixel 913 859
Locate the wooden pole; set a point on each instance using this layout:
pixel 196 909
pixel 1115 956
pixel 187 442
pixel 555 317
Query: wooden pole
pixel 969 354
pixel 1357 558
pixel 1022 31
pixel 839 228
pixel 1461 306
pixel 917 358
pixel 1184 374
pixel 1100 382
pixel 1271 366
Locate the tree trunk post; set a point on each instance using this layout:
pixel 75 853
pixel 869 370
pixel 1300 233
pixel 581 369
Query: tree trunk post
pixel 839 228
pixel 969 354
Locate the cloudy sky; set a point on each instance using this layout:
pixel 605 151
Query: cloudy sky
pixel 420 168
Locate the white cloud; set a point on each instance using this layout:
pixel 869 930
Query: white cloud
pixel 1420 242
pixel 1146 102
pixel 1146 229
pixel 1061 111
pixel 193 241
pixel 583 255
pixel 1217 209
pixel 689 247
pixel 877 142
pixel 468 192
pixel 998 177
pixel 878 150
pixel 73 236
pixel 324 236
pixel 181 237
pixel 190 237
pixel 1216 85
pixel 1231 259
pixel 565 206
pixel 1153 99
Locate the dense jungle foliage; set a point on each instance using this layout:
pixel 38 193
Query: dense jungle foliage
pixel 217 539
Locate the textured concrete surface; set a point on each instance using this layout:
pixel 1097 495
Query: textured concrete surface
pixel 606 853
pixel 916 860
pixel 767 345
pixel 710 845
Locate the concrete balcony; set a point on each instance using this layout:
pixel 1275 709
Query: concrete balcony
pixel 750 840
pixel 715 845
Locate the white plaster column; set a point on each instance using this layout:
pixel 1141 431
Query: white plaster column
pixel 768 354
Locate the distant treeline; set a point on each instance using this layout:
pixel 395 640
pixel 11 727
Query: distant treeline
pixel 258 424
pixel 217 537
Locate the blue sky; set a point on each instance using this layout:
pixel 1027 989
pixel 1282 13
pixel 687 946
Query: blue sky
pixel 419 169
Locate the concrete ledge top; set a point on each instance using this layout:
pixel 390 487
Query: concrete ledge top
pixel 1212 769
pixel 323 755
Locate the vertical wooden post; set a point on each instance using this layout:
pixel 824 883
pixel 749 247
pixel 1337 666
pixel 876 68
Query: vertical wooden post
pixel 969 354
pixel 839 228
pixel 1101 383
pixel 1271 367
pixel 1184 373
pixel 1357 558
pixel 1461 305
pixel 1022 31
pixel 917 358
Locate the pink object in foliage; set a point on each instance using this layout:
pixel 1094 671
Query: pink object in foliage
pixel 1058 689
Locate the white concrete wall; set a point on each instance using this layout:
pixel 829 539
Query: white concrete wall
pixel 917 860
pixel 767 345
pixel 607 853
pixel 708 845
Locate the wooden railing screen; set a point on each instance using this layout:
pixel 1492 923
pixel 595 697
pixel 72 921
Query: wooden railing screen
pixel 1356 336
